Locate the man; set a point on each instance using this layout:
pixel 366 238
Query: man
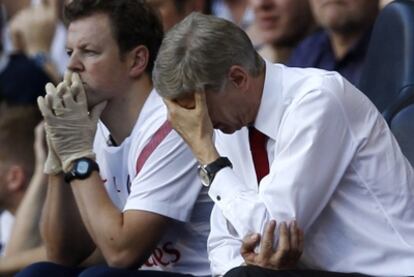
pixel 321 154
pixel 22 187
pixel 279 25
pixel 343 41
pixel 132 204
pixel 173 11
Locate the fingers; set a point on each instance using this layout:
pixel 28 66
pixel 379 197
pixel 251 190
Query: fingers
pixel 248 246
pixel 43 107
pixel 200 99
pixel 77 89
pixel 266 246
pixel 293 235
pixel 67 77
pixel 296 240
pixel 284 240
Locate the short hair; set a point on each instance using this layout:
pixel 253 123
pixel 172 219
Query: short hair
pixel 17 126
pixel 197 54
pixel 133 23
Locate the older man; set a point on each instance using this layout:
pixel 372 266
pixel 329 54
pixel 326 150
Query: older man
pixel 299 144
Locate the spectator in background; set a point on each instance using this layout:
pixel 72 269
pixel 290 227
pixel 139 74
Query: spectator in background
pixel 38 23
pixel 342 42
pixel 25 71
pixel 278 27
pixel 173 11
pixel 22 187
pixel 383 3
pixel 237 11
pixel 32 31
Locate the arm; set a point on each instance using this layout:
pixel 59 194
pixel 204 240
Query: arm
pixel 65 236
pixel 300 182
pixel 312 153
pixel 125 239
pixel 25 234
pixel 10 265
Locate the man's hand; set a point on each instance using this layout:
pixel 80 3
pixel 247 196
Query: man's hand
pixel 69 126
pixel 286 255
pixel 191 120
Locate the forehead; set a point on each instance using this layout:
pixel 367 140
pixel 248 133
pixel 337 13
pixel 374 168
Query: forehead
pixel 90 29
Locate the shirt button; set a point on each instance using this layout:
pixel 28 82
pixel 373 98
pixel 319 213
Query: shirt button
pixel 218 197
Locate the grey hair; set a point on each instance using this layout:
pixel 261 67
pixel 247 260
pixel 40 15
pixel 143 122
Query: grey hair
pixel 197 53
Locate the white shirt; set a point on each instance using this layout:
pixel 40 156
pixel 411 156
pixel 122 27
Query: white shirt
pixel 167 185
pixel 6 226
pixel 335 167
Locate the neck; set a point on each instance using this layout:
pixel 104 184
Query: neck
pixel 257 88
pixel 281 54
pixel 121 114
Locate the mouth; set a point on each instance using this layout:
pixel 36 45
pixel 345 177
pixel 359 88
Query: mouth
pixel 268 22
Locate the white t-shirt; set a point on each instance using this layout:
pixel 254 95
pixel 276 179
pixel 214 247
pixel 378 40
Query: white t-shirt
pixel 167 184
pixel 335 167
pixel 6 225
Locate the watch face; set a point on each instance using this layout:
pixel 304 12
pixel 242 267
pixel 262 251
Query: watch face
pixel 82 167
pixel 205 178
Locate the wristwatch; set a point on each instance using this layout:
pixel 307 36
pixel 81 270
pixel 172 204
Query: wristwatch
pixel 82 168
pixel 209 171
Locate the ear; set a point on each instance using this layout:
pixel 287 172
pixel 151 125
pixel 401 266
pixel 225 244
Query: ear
pixel 239 77
pixel 138 57
pixel 16 178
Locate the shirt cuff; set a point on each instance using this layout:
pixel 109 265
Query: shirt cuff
pixel 225 187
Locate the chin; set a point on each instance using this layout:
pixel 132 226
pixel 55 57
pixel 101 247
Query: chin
pixel 227 130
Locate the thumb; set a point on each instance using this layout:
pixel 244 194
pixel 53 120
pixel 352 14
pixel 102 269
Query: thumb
pixel 97 111
pixel 249 244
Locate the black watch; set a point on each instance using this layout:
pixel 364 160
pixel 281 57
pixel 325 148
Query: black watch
pixel 82 168
pixel 208 172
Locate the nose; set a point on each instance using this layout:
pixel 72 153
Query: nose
pixel 75 64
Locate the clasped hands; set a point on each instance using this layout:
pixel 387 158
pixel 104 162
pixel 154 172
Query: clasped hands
pixel 70 127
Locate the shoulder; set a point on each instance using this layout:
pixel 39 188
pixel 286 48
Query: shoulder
pixel 308 48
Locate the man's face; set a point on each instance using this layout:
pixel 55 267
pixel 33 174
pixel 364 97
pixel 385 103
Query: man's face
pixel 94 54
pixel 282 22
pixel 229 109
pixel 168 11
pixel 344 15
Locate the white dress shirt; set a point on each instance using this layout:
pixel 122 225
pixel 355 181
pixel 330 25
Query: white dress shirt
pixel 335 167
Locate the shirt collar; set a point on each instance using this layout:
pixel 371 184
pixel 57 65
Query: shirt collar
pixel 272 104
